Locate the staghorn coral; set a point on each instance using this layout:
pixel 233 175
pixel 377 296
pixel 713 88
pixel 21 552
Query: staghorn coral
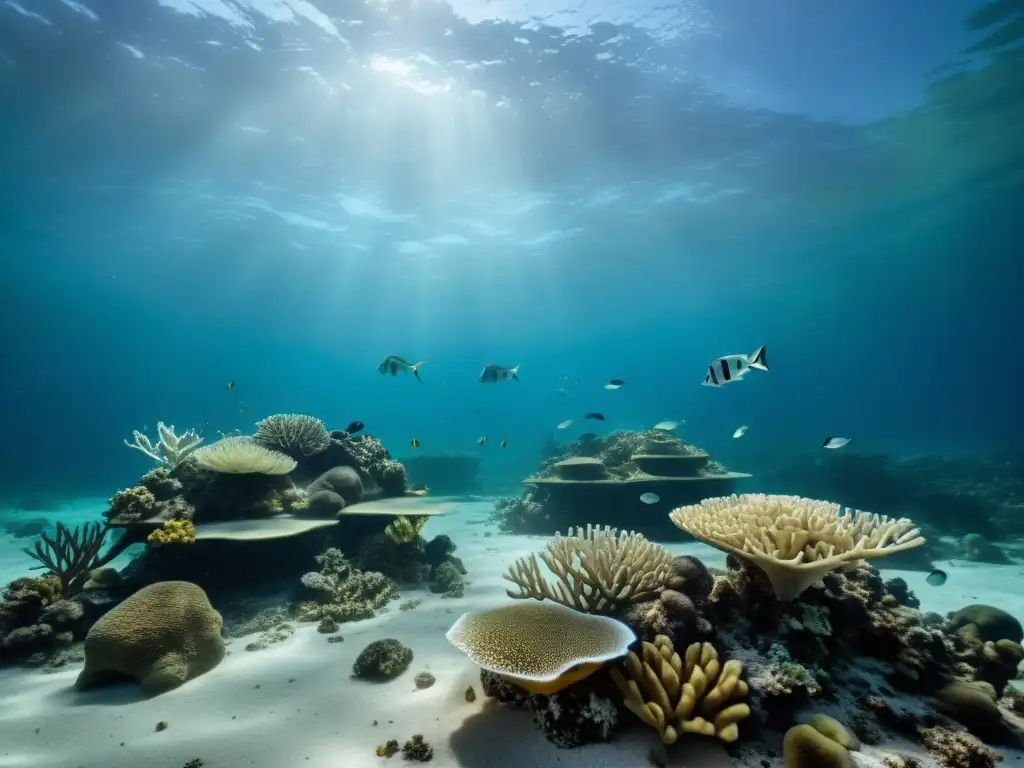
pixel 695 694
pixel 598 570
pixel 174 532
pixel 171 449
pixel 242 456
pixel 342 592
pixel 406 530
pixel 163 636
pixel 795 541
pixel 540 647
pixel 292 434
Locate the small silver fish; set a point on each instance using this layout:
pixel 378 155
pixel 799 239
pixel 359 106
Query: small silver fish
pixel 564 424
pixel 650 498
pixel 668 426
pixel 936 578
pixel 835 442
pixel 732 368
pixel 740 432
pixel 615 384
pixel 495 373
pixel 393 364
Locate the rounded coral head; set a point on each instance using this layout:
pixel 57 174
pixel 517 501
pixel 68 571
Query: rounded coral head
pixel 538 641
pixel 794 540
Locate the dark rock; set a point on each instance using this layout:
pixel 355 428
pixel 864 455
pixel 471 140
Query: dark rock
pixel 26 641
pixel 986 622
pixel 64 614
pixel 324 504
pixel 344 481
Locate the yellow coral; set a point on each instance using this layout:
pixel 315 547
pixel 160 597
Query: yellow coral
pixel 174 532
pixel 273 505
pixel 406 530
pixel 300 504
pixel 657 694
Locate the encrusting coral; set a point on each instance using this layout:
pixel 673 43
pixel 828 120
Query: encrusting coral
pixel 344 593
pixel 696 694
pixel 598 570
pixel 540 647
pixel 795 541
pixel 163 636
pixel 174 532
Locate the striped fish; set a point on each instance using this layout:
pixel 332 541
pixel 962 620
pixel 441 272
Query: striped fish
pixel 734 367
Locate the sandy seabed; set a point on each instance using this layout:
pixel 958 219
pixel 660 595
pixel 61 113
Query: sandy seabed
pixel 295 704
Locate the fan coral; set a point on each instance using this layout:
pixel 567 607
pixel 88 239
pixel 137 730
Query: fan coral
pixel 71 553
pixel 665 691
pixel 174 532
pixel 599 570
pixel 171 449
pixel 542 647
pixel 292 434
pixel 242 456
pixel 795 541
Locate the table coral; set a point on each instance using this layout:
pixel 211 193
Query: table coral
pixel 795 541
pixel 694 694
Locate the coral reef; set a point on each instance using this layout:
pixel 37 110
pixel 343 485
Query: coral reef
pixel 417 750
pixel 292 434
pixel 382 660
pixel 171 449
pixel 242 456
pixel 163 636
pixel 341 592
pixel 604 477
pixel 448 581
pixel 174 532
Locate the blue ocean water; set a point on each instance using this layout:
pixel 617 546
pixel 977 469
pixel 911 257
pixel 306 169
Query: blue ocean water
pixel 282 193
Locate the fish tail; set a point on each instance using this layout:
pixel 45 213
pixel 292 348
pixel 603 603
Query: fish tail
pixel 415 368
pixel 759 359
pixel 515 373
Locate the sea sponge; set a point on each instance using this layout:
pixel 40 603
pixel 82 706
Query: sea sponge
pixel 795 541
pixel 667 692
pixel 242 456
pixel 163 636
pixel 382 660
pixel 406 530
pixel 542 647
pixel 599 570
pixel 293 434
pixel 174 532
pixel 805 747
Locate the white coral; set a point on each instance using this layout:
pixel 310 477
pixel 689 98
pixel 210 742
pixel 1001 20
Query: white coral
pixel 171 449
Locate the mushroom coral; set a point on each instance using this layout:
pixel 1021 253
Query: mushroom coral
pixel 697 693
pixel 541 647
pixel 794 540
pixel 598 570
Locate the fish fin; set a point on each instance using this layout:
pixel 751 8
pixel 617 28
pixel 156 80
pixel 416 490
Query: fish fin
pixel 415 368
pixel 515 373
pixel 759 359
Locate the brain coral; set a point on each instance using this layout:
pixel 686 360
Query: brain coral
pixel 293 433
pixel 533 644
pixel 795 541
pixel 242 456
pixel 163 635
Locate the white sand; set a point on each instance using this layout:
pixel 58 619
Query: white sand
pixel 296 705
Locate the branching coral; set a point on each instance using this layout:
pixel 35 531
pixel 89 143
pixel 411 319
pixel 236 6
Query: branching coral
pixel 174 532
pixel 293 434
pixel 795 541
pixel 406 530
pixel 243 456
pixel 171 449
pixel 344 593
pixel 695 694
pixel 599 570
